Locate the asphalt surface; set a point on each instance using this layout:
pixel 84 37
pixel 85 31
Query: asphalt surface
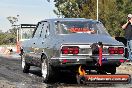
pixel 11 76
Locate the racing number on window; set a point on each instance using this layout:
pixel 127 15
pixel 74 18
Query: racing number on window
pixel 45 30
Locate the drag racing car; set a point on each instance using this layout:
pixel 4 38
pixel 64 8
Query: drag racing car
pixel 71 44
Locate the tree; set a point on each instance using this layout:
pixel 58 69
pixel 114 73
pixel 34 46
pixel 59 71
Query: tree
pixel 74 8
pixel 111 12
pixel 7 38
pixel 12 20
pixel 10 36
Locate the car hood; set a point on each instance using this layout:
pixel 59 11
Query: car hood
pixel 87 39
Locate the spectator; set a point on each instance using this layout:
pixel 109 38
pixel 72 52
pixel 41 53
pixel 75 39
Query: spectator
pixel 128 35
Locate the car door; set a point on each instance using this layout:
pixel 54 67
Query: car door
pixel 32 46
pixel 39 43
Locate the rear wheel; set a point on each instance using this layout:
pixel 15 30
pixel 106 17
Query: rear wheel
pixel 101 72
pixel 47 70
pixel 126 53
pixel 80 79
pixel 111 69
pixel 25 66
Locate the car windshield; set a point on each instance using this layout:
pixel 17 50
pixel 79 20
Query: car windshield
pixel 68 27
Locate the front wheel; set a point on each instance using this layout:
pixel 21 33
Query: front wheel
pixel 25 66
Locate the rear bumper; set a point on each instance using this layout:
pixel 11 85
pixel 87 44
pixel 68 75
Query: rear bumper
pixel 87 61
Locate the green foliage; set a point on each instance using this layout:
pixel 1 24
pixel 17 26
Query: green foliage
pixel 112 13
pixel 12 20
pixel 7 38
pixel 10 36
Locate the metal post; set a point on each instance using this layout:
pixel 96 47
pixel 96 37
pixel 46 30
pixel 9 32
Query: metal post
pixel 17 35
pixel 17 43
pixel 97 10
pixel 21 31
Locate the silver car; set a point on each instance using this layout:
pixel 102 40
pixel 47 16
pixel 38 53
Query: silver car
pixel 67 44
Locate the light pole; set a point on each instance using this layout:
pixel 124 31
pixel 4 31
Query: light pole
pixel 97 10
pixel 14 23
pixel 17 42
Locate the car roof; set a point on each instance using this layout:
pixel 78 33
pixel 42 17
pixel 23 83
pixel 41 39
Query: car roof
pixel 70 19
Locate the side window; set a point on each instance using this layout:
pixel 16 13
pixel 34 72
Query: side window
pixel 45 30
pixel 38 30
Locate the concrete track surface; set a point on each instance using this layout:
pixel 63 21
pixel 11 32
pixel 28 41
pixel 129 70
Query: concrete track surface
pixel 11 76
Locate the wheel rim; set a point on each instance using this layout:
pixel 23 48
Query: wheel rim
pixel 44 69
pixel 23 62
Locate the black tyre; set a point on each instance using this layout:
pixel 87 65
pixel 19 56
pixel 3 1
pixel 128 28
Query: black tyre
pixel 25 66
pixel 126 53
pixel 101 72
pixel 80 79
pixel 47 70
pixel 111 69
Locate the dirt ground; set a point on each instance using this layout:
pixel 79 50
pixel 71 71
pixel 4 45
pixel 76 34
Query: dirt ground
pixel 11 76
pixel 125 68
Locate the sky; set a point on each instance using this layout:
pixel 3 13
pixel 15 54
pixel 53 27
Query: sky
pixel 29 11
